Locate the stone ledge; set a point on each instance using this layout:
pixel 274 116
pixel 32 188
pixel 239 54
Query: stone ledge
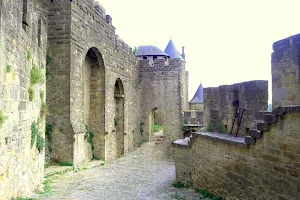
pixel 225 138
pixel 281 110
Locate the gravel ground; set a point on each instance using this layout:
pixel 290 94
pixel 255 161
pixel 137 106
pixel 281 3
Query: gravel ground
pixel 144 174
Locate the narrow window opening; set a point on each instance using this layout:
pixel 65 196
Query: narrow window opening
pixel 25 15
pixel 39 32
pixel 145 57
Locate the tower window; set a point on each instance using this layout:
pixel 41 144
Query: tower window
pixel 39 32
pixel 25 15
pixel 145 57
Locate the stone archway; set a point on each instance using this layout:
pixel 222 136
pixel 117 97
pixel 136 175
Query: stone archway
pixel 94 103
pixel 155 122
pixel 119 118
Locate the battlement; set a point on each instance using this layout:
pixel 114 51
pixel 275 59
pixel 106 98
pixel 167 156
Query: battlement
pixel 161 64
pixel 97 15
pixel 293 40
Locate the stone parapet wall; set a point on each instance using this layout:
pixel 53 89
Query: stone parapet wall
pixel 193 117
pixel 267 170
pixel 22 47
pixel 221 104
pixel 286 72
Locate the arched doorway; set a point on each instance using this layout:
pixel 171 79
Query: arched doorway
pixel 119 118
pixel 155 123
pixel 94 103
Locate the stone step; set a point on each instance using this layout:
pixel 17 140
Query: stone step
pixel 270 118
pixel 255 133
pixel 250 140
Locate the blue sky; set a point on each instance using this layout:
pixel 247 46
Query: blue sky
pixel 225 41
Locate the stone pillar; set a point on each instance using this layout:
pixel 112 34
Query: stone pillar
pixel 285 72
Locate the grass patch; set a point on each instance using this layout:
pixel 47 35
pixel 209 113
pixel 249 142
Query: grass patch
pixel 179 184
pixel 30 93
pixel 21 198
pixel 65 164
pixel 29 55
pixel 156 127
pixel 176 196
pixel 2 119
pixel 44 109
pixel 36 75
pixel 206 194
pixel 8 68
pixel 49 130
pixel 36 137
pixel 42 95
pixel 141 142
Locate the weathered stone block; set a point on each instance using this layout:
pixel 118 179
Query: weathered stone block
pixel 250 140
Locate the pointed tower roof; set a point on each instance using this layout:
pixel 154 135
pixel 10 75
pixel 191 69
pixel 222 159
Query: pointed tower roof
pixel 149 50
pixel 172 51
pixel 198 96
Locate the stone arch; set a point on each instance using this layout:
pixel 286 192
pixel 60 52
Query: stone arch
pixel 155 117
pixel 119 117
pixel 94 102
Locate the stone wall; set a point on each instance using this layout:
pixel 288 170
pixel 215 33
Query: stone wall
pixel 161 88
pixel 22 47
pixel 221 104
pixel 285 72
pixel 267 170
pixel 193 117
pixel 81 32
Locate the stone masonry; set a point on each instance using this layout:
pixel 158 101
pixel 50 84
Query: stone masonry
pixel 221 104
pixel 98 95
pixel 23 46
pixel 163 87
pixel 87 59
pixel 263 165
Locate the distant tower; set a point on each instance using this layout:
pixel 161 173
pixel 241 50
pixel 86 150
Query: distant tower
pixel 197 101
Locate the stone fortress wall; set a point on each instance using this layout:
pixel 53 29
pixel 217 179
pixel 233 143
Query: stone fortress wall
pixel 87 59
pixel 23 47
pixel 264 164
pixel 163 86
pixel 91 79
pixel 246 99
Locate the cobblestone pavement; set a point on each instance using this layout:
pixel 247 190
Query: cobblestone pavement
pixel 143 174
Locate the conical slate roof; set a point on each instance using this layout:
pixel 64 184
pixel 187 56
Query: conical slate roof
pixel 149 50
pixel 198 96
pixel 172 51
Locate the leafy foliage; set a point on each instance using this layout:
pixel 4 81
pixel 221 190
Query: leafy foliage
pixel 206 193
pixel 8 68
pixel 36 137
pixel 156 127
pixel 49 130
pixel 36 75
pixel 221 128
pixel 44 109
pixel 42 95
pixel 31 93
pixel 209 127
pixel 2 119
pixel 134 50
pixel 179 184
pixel 65 164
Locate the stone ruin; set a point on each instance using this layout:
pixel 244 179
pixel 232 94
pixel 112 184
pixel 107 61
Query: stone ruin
pixel 71 90
pixel 262 161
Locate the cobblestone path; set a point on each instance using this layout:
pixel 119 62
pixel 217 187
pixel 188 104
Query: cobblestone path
pixel 143 174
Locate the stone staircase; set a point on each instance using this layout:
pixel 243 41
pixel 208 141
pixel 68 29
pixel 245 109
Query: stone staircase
pixel 158 139
pixel 264 119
